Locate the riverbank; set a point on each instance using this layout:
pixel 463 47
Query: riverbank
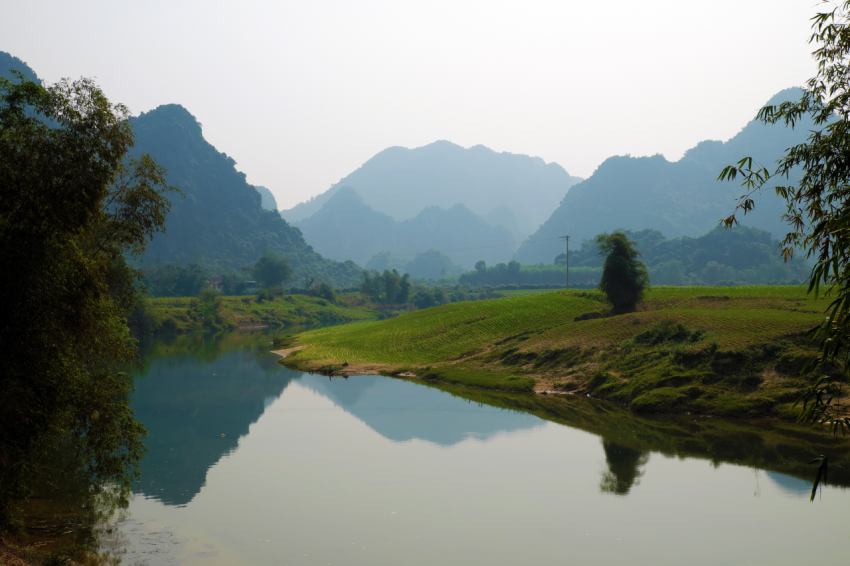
pixel 727 351
pixel 177 315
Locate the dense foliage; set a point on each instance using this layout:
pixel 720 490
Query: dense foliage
pixel 388 287
pixel 271 270
pixel 72 206
pixel 624 276
pixel 174 280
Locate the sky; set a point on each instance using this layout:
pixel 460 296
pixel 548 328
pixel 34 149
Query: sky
pixel 301 94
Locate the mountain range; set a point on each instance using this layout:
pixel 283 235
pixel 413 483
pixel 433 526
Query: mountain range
pixel 401 182
pixel 681 198
pixel 470 204
pixel 345 227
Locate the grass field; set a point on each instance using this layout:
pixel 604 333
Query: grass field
pixel 187 314
pixel 727 350
pixel 520 292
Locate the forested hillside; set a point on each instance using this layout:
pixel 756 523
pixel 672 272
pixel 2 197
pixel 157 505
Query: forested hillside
pixel 348 228
pixel 401 182
pixel 739 256
pixel 681 198
pixel 221 221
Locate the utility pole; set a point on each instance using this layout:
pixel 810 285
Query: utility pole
pixel 567 238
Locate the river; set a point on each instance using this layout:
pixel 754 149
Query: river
pixel 251 463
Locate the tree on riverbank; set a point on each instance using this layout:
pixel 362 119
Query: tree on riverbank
pixel 624 276
pixel 818 207
pixel 72 205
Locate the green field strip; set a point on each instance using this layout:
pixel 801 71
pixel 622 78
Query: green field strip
pixel 446 332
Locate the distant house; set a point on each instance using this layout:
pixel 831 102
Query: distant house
pixel 215 283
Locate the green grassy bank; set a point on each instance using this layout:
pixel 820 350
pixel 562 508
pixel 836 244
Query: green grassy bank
pixel 188 314
pixel 726 351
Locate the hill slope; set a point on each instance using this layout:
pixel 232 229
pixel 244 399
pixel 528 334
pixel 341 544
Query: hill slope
pixel 718 351
pixel 681 198
pixel 269 202
pixel 401 182
pixel 221 220
pixel 9 63
pixel 348 228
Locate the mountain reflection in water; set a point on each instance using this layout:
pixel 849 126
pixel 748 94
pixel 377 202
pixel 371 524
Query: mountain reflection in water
pixel 199 395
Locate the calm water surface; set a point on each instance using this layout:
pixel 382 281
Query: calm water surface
pixel 251 463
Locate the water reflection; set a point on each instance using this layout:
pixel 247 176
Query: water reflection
pixel 624 468
pixel 373 470
pixel 402 413
pixel 198 395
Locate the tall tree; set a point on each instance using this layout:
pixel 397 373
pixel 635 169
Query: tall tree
pixel 624 276
pixel 71 206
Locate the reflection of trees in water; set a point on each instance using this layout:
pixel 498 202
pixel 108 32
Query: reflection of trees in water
pixel 70 510
pixel 623 468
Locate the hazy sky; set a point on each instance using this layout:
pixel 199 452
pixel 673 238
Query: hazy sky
pixel 302 93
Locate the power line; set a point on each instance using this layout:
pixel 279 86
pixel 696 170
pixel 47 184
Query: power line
pixel 567 238
pixel 452 250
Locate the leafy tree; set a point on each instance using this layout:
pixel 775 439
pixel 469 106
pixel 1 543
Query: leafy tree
pixel 371 285
pixel 818 206
pixel 71 207
pixel 271 270
pixel 624 276
pixel 175 280
pixel 389 287
pixel 326 292
pixel 233 284
pixel 480 266
pixel 424 298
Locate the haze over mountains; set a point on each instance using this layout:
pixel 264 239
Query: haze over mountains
pixel 400 182
pixel 348 228
pixel 681 198
pixel 470 204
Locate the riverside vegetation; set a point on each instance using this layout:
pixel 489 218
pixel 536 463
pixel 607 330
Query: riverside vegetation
pixel 211 311
pixel 733 351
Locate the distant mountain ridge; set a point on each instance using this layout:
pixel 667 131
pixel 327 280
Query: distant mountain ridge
pixel 345 227
pixel 268 202
pixel 681 198
pixel 402 182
